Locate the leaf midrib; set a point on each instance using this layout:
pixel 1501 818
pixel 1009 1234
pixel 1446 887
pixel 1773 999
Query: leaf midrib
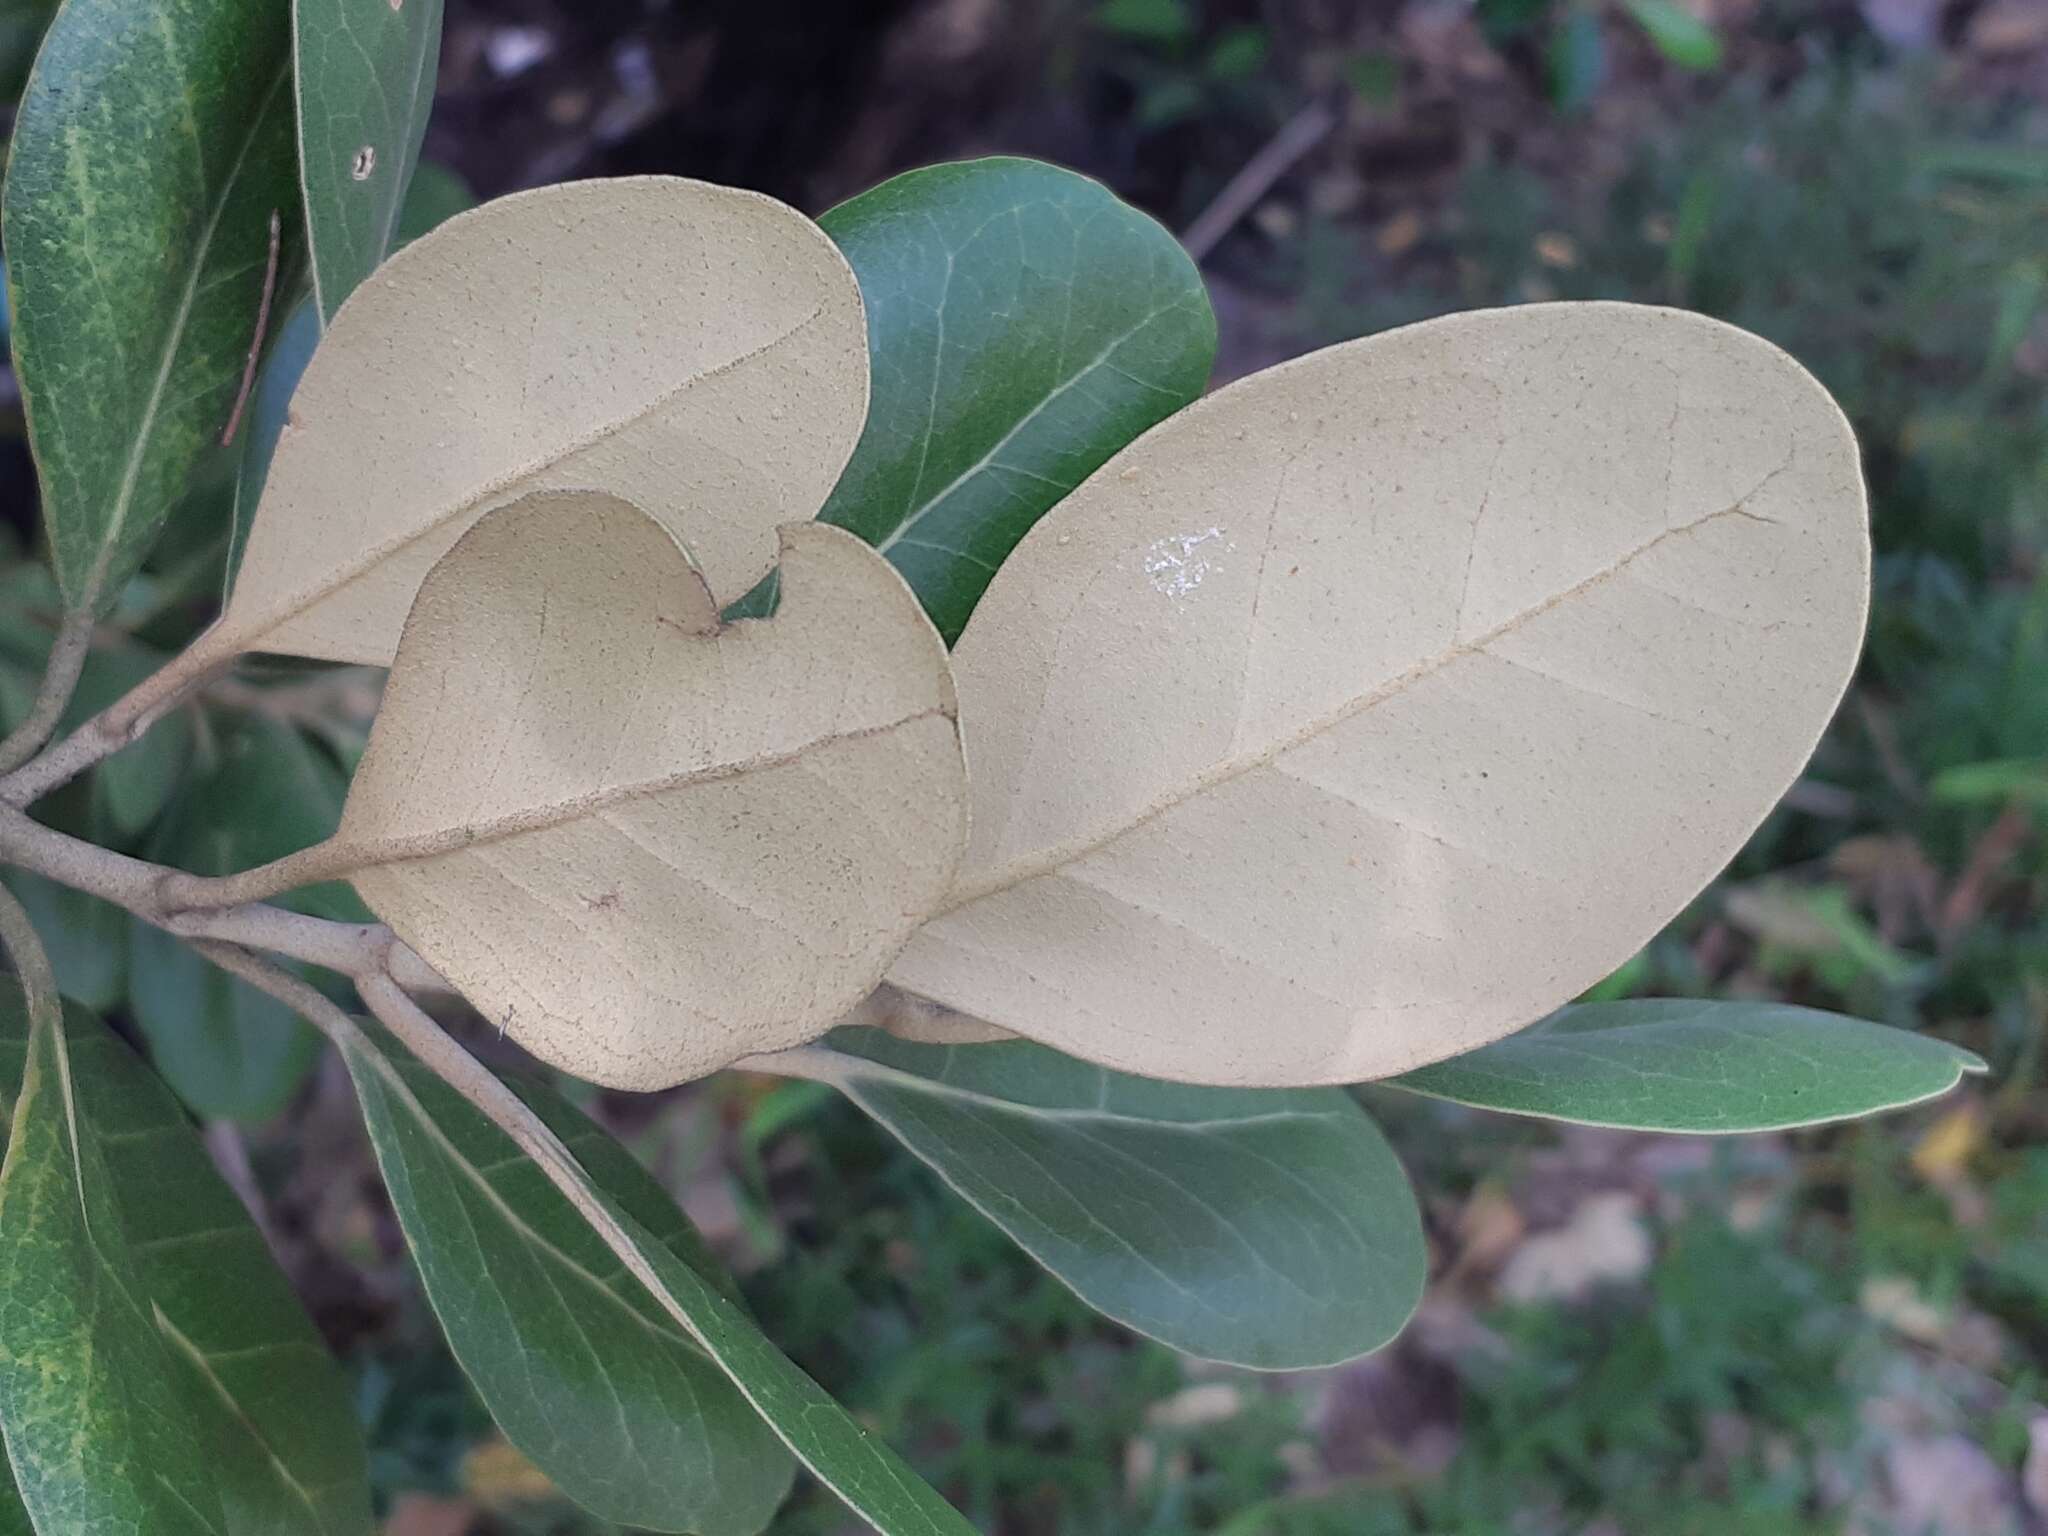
pixel 1056 857
pixel 227 638
pixel 394 1082
pixel 912 518
pixel 360 852
pixel 863 1066
pixel 203 1363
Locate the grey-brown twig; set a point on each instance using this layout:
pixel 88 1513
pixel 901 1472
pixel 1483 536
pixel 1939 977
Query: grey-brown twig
pixel 112 728
pixel 356 950
pixel 60 680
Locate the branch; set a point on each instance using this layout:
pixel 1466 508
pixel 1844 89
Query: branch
pixel 115 726
pixel 309 866
pixel 150 891
pixel 1297 136
pixel 60 680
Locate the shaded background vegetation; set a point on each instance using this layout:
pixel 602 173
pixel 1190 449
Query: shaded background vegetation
pixel 1836 1330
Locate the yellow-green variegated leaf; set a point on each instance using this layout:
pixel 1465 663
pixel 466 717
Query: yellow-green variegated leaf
pixel 643 841
pixel 696 350
pixel 152 146
pixel 1386 700
pixel 156 1372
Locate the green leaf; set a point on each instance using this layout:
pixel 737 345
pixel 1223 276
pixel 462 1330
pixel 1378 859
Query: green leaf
pixel 2024 779
pixel 152 148
pixel 137 782
pixel 1575 63
pixel 277 1435
pixel 291 349
pixel 1155 21
pixel 134 784
pixel 437 194
pixel 579 1367
pixel 230 1051
pixel 365 85
pixel 91 1401
pixel 1023 325
pixel 436 1144
pixel 87 938
pixel 1677 33
pixel 1238 54
pixel 1268 1228
pixel 1702 1067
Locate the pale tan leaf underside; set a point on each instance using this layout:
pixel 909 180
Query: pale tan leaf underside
pixel 697 350
pixel 1380 703
pixel 644 843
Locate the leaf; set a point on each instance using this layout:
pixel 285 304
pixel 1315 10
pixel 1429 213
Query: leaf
pixel 230 1051
pixel 133 785
pixel 137 782
pixel 291 349
pixel 93 1410
pixel 2022 779
pixel 1699 1067
pixel 152 146
pixel 862 1471
pixel 1388 699
pixel 1677 33
pixel 365 77
pixel 692 841
pixel 87 938
pixel 277 1435
pixel 436 195
pixel 1023 325
pixel 693 349
pixel 1269 1229
pixel 577 1364
pixel 1575 62
pixel 1155 21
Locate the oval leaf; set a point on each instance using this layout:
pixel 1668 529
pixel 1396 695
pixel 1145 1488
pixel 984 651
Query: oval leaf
pixel 1684 1065
pixel 1388 699
pixel 694 349
pixel 153 145
pixel 692 841
pixel 1268 1229
pixel 577 1364
pixel 1023 325
pixel 365 85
